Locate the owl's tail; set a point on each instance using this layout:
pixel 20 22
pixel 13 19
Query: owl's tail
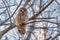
pixel 21 29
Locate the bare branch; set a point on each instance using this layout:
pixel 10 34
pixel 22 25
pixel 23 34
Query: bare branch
pixel 56 36
pixel 42 21
pixel 6 30
pixel 45 18
pixel 13 26
pixel 7 9
pixel 27 1
pixel 57 2
pixel 40 11
pixel 12 14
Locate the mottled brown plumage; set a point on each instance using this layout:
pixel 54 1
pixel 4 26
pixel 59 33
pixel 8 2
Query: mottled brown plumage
pixel 21 20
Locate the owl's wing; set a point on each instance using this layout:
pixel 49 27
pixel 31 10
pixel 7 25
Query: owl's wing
pixel 18 20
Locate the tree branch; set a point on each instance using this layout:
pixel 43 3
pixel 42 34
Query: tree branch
pixel 6 30
pixel 40 11
pixel 12 14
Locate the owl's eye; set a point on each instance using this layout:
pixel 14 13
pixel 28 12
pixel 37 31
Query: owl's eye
pixel 20 10
pixel 25 10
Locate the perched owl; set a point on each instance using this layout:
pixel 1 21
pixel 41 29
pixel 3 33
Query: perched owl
pixel 21 20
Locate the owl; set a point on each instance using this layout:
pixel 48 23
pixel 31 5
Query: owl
pixel 21 20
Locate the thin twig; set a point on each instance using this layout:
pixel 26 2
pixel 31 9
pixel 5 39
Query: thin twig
pixel 7 9
pixel 6 30
pixel 42 9
pixel 12 14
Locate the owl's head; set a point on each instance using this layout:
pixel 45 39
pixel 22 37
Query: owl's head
pixel 23 10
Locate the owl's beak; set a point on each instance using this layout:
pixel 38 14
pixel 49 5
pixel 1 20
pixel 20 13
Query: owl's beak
pixel 22 12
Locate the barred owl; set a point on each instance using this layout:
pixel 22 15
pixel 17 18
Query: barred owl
pixel 21 20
